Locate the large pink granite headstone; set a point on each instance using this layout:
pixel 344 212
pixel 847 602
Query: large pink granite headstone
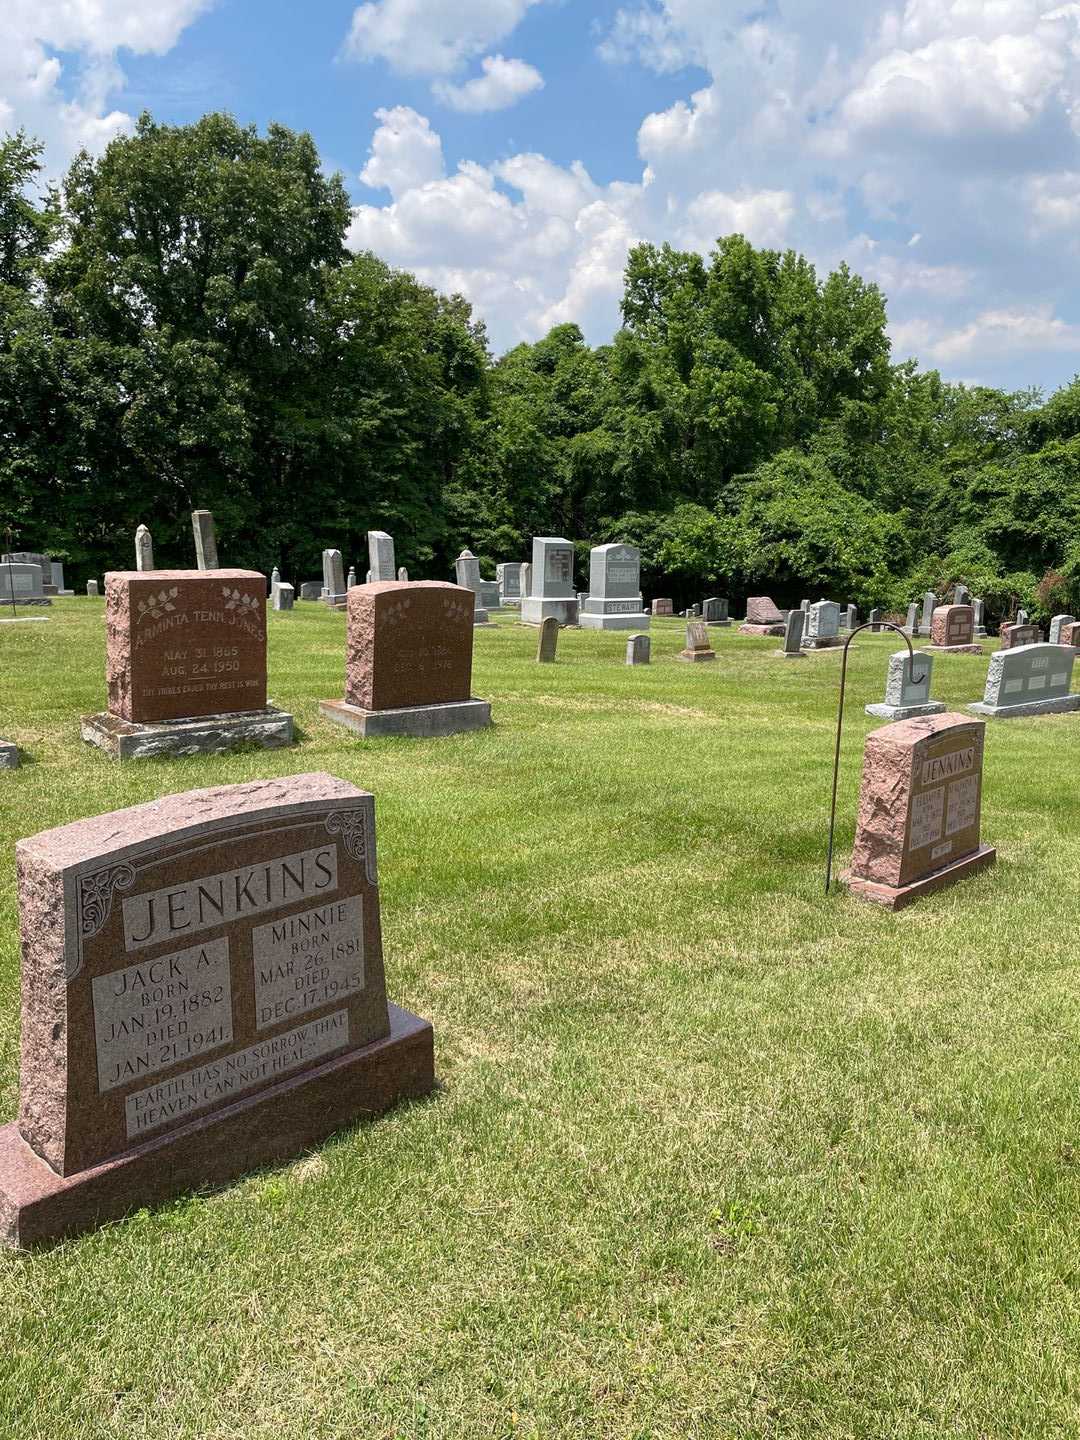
pixel 762 617
pixel 202 992
pixel 952 627
pixel 919 809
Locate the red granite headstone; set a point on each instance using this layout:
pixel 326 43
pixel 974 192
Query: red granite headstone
pixel 1070 634
pixel 185 643
pixel 1015 635
pixel 952 627
pixel 203 991
pixel 408 644
pixel 919 809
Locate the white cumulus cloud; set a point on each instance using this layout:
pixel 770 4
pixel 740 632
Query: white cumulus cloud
pixel 431 37
pixel 502 84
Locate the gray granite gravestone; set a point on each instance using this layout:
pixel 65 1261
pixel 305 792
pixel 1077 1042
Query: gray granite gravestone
pixel 875 618
pixel 206 556
pixel 92 588
pixel 716 611
pixel 508 579
pixel 547 640
pixel 23 582
pixel 906 697
pixel 852 621
pixel 614 599
pixel 929 605
pixel 526 578
pixel 402 575
pixel 58 578
pixel 961 595
pixel 381 556
pixel 311 590
pixel 822 626
pixel 1057 624
pixel 804 605
pixel 638 649
pixel 350 579
pixel 793 635
pixel 979 608
pixel 1028 680
pixel 334 571
pixel 275 581
pixel 1022 618
pixel 552 584
pixel 911 624
pixel 144 549
pixel 283 596
pixel 697 643
pixel 467 571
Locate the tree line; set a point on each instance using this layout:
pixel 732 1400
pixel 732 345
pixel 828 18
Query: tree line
pixel 182 326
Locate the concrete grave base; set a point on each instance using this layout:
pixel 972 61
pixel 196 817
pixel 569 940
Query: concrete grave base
pixel 1060 706
pixel 695 657
pixel 38 1205
pixel 896 897
pixel 9 755
pixel 761 629
pixel 425 721
pixel 640 621
pixel 535 611
pixel 955 649
pixel 906 712
pixel 208 735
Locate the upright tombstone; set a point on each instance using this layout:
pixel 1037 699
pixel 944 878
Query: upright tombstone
pixel 794 626
pixel 919 810
pixel 144 549
pixel 185 665
pixel 467 569
pixel 1022 617
pixel 1070 635
pixel 508 579
pixel 907 688
pixel 979 607
pixel 874 619
pixel 203 993
pixel 350 579
pixel 1015 635
pixel 822 625
pixel 275 581
pixel 614 601
pixel 638 649
pixel 402 575
pixel 1057 624
pixel 961 595
pixel 22 582
pixel 762 617
pixel 929 605
pixel 663 607
pixel 552 585
pixel 526 579
pixel 804 605
pixel 334 587
pixel 1028 680
pixel 715 611
pixel 547 641
pixel 58 579
pixel 284 596
pixel 851 621
pixel 311 590
pixel 206 556
pixel 381 555
pixel 698 647
pixel 92 589
pixel 911 624
pixel 408 661
pixel 952 630
pixel 40 562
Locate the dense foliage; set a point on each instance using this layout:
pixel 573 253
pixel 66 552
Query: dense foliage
pixel 182 326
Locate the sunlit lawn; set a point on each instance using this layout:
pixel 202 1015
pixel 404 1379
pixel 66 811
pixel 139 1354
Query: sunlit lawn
pixel 715 1155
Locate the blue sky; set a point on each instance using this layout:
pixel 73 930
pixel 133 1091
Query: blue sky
pixel 514 149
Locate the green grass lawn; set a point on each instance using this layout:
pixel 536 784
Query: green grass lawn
pixel 715 1155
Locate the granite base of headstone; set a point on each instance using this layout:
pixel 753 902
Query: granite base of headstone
pixel 638 650
pixel 905 697
pixel 698 649
pixel 551 583
pixel 408 667
pixel 762 617
pixel 952 630
pixel 1028 680
pixel 919 810
pixel 9 755
pixel 185 665
pixel 547 641
pixel 1013 636
pixel 203 993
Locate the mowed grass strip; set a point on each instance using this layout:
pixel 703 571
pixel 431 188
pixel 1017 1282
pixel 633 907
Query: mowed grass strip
pixel 715 1154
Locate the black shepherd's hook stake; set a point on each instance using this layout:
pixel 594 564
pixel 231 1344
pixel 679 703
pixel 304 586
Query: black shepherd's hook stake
pixel 916 679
